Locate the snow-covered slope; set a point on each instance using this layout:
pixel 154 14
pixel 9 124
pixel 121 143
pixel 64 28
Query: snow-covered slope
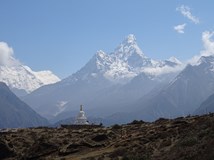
pixel 103 76
pixel 46 76
pixel 126 62
pixel 21 78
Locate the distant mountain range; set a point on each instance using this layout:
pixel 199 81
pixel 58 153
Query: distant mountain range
pixel 121 86
pixel 21 79
pixel 106 84
pixel 16 114
pixel 183 95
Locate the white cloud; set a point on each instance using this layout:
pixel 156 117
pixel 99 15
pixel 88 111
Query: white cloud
pixel 186 12
pixel 5 53
pixel 208 44
pixel 180 28
pixel 164 70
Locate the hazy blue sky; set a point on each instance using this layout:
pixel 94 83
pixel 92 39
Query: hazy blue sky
pixel 62 35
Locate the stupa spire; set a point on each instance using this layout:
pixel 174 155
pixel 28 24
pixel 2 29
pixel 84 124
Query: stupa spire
pixel 81 118
pixel 81 107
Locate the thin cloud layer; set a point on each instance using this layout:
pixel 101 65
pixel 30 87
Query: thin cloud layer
pixel 164 70
pixel 5 53
pixel 180 28
pixel 186 12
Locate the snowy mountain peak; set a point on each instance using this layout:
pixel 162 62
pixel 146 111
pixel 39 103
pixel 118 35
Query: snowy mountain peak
pixel 128 48
pixel 126 62
pixel 20 77
pixel 130 39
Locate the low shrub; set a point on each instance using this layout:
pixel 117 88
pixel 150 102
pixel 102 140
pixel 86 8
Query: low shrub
pixel 116 126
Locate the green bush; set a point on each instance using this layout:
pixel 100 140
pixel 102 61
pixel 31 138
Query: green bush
pixel 137 122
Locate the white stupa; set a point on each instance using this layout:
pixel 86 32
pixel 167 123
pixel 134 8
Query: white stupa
pixel 81 118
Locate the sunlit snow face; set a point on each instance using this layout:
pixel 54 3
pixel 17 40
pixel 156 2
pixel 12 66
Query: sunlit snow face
pixel 5 53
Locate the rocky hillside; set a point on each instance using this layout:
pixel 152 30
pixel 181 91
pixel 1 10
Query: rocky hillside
pixel 189 138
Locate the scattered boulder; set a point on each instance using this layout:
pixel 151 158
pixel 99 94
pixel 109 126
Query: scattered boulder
pixel 100 137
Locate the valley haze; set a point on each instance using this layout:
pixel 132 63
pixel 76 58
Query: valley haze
pixel 117 87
